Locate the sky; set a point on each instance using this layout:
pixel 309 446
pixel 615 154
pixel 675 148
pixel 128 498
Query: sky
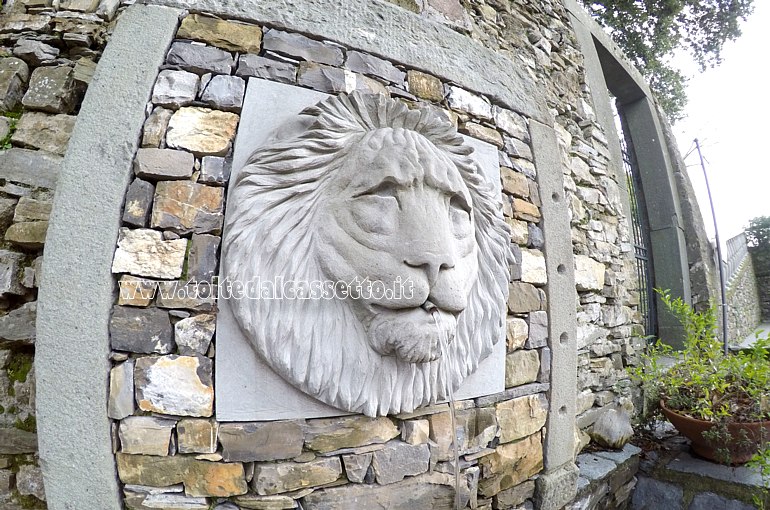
pixel 728 111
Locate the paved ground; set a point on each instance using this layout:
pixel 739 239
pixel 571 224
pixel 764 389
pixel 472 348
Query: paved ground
pixel 750 339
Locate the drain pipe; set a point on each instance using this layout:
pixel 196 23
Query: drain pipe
pixel 722 283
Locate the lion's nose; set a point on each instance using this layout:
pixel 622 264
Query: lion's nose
pixel 431 263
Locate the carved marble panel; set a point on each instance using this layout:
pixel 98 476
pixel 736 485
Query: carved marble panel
pixel 360 237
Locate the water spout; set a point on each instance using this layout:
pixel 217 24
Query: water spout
pixel 434 311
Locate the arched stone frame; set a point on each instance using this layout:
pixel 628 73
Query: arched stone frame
pixel 675 233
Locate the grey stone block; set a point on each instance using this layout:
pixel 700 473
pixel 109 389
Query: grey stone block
pixel 711 501
pixel 302 47
pixel 257 442
pixel 556 488
pixel 51 89
pixel 324 78
pixel 14 73
pixel 175 88
pixel 261 67
pixel 18 326
pixel 33 168
pixel 215 170
pixel 141 330
pixel 538 330
pixel 202 260
pixel 651 494
pixel 10 271
pixel 138 203
pixel 368 64
pixel 397 460
pixel 14 441
pixel 163 164
pixel 34 52
pixel 224 93
pixel 199 59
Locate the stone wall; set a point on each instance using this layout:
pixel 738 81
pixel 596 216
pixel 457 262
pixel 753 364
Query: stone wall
pixel 744 312
pixel 179 454
pixel 170 451
pixel 47 57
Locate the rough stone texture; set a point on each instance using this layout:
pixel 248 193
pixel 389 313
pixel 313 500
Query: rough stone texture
pixel 175 88
pixel 523 298
pixel 196 435
pixel 163 164
pixel 29 482
pixel 711 501
pixel 511 464
pixel 10 269
pixel 744 312
pixel 357 466
pixel 326 78
pixel 199 59
pixel 288 476
pixel 154 131
pixel 176 385
pixel 51 89
pixel 193 334
pixel 214 171
pixel 521 367
pixel 145 435
pixel 515 496
pixel 197 297
pixel 143 252
pixel 425 86
pixel 329 434
pixel 18 326
pixel 185 207
pixel 517 331
pixel 200 477
pixel 433 491
pixel 202 261
pixel 31 209
pixel 652 494
pixel 28 234
pixel 483 133
pixel 368 64
pixel 296 45
pixel 34 168
pixel 14 441
pixel 138 203
pixel 34 52
pixel 202 131
pixel 521 417
pixel 224 92
pixel 42 131
pixel 249 442
pixel 135 291
pixel 589 274
pixel 398 460
pixel 537 323
pixel 261 67
pixel 613 428
pixel 121 401
pixel 14 73
pixel 228 35
pixel 415 431
pixel 141 330
pixel 557 487
pixel 465 101
pixel 253 501
pixel 533 267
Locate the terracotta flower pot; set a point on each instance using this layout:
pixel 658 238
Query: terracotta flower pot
pixel 740 451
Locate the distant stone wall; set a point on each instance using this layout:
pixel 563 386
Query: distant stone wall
pixel 47 57
pixel 744 312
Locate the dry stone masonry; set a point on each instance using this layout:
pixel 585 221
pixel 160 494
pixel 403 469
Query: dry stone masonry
pixel 169 449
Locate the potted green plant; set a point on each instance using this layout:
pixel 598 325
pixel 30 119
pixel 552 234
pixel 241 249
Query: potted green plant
pixel 721 402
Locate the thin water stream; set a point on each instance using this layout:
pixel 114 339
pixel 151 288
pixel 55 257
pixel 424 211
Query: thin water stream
pixel 453 420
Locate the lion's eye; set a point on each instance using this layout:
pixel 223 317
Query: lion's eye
pixel 460 216
pixel 375 213
pixel 385 189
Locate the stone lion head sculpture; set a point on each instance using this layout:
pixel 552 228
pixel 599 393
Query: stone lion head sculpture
pixel 380 218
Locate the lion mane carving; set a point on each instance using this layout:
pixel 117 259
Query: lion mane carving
pixel 361 186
